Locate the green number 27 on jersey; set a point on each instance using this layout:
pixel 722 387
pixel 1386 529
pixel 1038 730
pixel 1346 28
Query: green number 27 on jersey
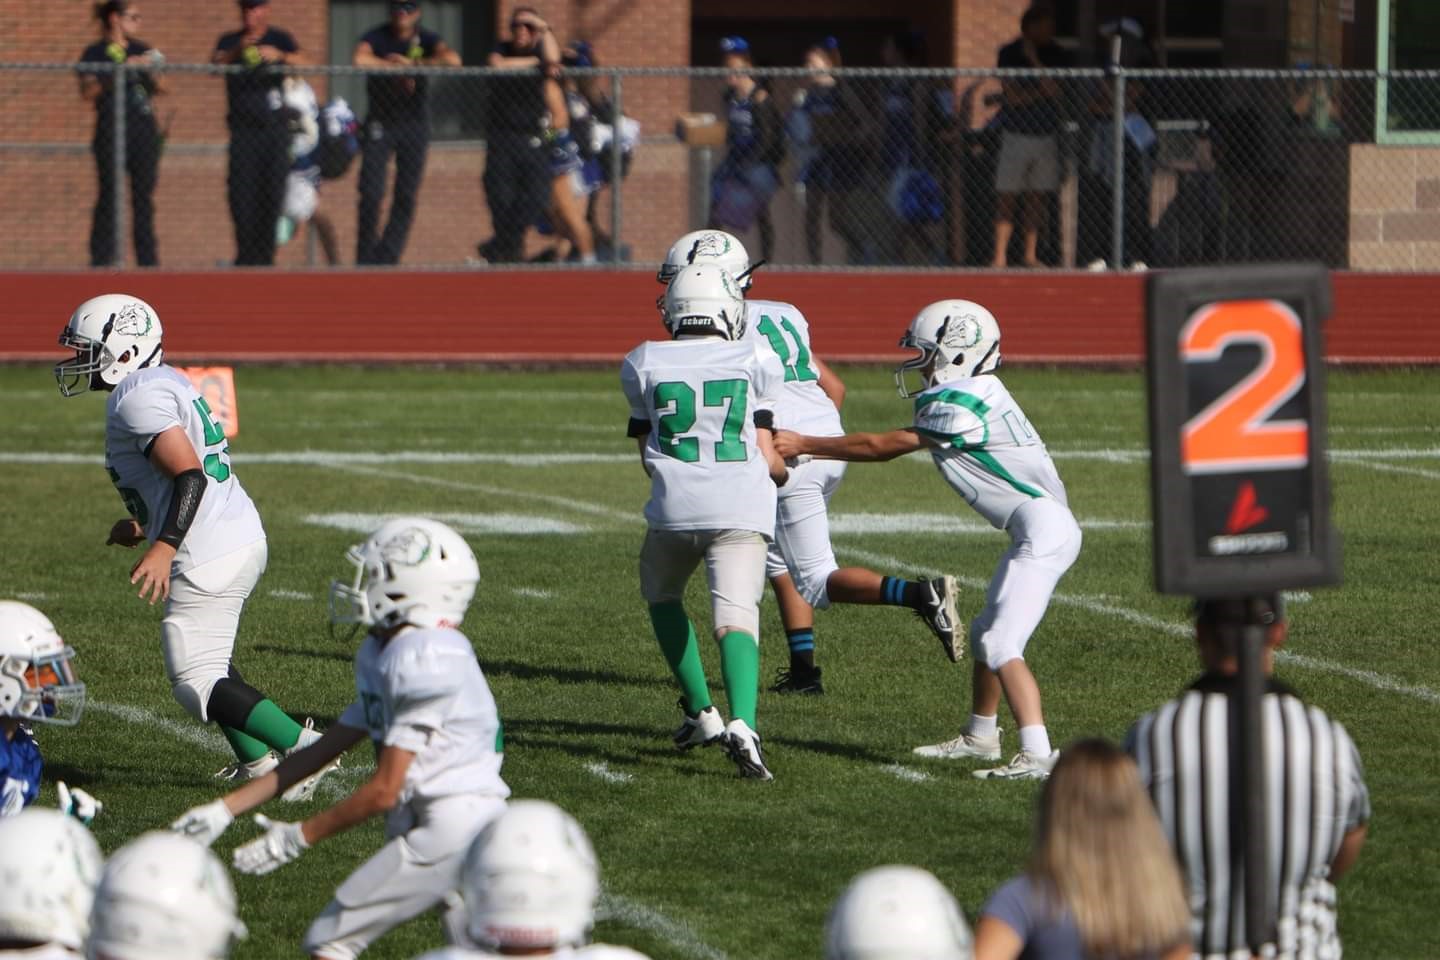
pixel 217 464
pixel 677 399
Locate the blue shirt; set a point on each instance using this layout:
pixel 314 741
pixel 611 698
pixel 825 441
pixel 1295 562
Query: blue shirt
pixel 19 772
pixel 254 94
pixel 392 99
pixel 1048 931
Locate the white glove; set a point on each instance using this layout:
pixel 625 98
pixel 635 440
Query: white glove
pixel 204 823
pixel 78 804
pixel 281 843
pixel 798 459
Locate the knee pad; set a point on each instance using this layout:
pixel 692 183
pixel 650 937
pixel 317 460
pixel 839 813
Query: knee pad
pixel 774 562
pixel 193 694
pixel 729 616
pixel 814 585
pixel 996 650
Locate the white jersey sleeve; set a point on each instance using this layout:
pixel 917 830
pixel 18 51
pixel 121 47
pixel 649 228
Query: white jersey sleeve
pixel 985 447
pixel 146 404
pixel 593 951
pixel 423 691
pixel 782 331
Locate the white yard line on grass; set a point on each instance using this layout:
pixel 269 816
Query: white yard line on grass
pixel 1370 677
pixel 1407 471
pixel 603 771
pixel 565 503
pixel 534 593
pixel 283 594
pixel 677 933
pixel 907 774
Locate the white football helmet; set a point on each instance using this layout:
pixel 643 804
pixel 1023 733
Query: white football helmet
pixel 37 679
pixel 113 335
pixel 164 897
pixel 897 913
pixel 49 865
pixel 530 879
pixel 412 570
pixel 956 338
pixel 708 246
pixel 703 300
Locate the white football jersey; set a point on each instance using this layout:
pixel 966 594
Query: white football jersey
pixel 145 404
pixel 700 398
pixel 802 405
pixel 988 450
pixel 423 691
pixel 594 951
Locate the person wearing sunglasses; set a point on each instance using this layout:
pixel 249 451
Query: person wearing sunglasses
pixel 118 43
pixel 398 123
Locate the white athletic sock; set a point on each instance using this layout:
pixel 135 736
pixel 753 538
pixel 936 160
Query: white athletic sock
pixel 587 258
pixel 1035 740
pixel 982 726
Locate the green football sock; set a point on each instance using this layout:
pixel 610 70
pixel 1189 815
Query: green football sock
pixel 247 749
pixel 740 664
pixel 272 726
pixel 677 642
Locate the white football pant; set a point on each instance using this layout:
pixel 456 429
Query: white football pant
pixel 802 530
pixel 1044 542
pixel 202 617
pixel 734 568
pixel 412 873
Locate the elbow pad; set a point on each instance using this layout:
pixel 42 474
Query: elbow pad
pixel 184 504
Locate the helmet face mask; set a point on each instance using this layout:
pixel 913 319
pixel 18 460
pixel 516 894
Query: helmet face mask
pixel 38 682
pixel 412 570
pixel 113 336
pixel 705 301
pixel 954 339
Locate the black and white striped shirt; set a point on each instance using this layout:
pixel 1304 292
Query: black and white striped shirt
pixel 1188 754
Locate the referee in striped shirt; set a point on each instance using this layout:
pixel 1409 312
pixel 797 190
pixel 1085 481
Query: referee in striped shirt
pixel 1319 806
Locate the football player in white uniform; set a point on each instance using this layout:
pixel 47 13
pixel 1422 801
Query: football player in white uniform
pixel 897 913
pixel 801 563
pixel 989 453
pixel 701 410
pixel 163 897
pixel 37 685
pixel 528 888
pixel 170 463
pixel 424 704
pixel 49 865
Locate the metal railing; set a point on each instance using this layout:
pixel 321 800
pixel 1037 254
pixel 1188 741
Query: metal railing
pixel 853 168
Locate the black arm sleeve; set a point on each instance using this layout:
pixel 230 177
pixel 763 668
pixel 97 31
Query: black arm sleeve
pixel 637 427
pixel 184 504
pixel 764 420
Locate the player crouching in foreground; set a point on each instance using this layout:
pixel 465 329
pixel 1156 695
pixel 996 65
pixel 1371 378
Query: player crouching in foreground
pixel 989 453
pixel 529 887
pixel 701 409
pixel 801 563
pixel 164 897
pixel 170 463
pixel 423 701
pixel 50 865
pixel 37 685
pixel 897 913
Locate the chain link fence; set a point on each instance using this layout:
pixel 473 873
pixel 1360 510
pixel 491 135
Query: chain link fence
pixel 191 166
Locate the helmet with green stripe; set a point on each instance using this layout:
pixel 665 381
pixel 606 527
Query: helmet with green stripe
pixel 954 339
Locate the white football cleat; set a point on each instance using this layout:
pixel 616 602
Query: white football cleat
pixel 700 729
pixel 743 746
pixel 1023 766
pixel 305 789
pixel 963 747
pixel 249 771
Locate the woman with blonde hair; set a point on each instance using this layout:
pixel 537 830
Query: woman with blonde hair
pixel 1102 882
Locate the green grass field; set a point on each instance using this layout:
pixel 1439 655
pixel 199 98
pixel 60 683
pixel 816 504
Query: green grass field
pixel 534 468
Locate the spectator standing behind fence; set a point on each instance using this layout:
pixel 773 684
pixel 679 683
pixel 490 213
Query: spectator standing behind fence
pixel 1028 168
pixel 1121 44
pixel 259 135
pixel 595 126
pixel 1318 804
pixel 908 155
pixel 825 125
pixel 119 20
pixel 517 178
pixel 1101 880
pixel 398 123
pixel 748 176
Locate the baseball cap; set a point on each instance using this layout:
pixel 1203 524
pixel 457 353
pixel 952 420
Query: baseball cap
pixel 734 45
pixel 1253 610
pixel 404 4
pixel 253 3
